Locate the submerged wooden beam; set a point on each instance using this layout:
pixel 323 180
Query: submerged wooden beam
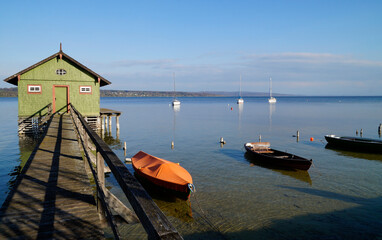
pixel 116 205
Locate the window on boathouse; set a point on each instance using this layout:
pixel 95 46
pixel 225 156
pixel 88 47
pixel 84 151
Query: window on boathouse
pixel 34 88
pixel 85 89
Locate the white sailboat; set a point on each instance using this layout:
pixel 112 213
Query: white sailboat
pixel 271 99
pixel 175 102
pixel 240 100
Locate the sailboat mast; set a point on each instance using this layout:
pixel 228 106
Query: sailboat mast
pixel 240 85
pixel 173 77
pixel 270 87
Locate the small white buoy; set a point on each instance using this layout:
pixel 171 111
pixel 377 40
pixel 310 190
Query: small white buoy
pixel 172 145
pixel 128 159
pixel 222 140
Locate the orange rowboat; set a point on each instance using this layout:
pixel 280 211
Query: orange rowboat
pixel 163 173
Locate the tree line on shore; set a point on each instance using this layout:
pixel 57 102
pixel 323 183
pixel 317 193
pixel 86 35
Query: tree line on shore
pixel 12 92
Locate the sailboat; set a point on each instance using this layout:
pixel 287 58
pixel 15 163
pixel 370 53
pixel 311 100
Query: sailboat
pixel 271 99
pixel 240 100
pixel 175 102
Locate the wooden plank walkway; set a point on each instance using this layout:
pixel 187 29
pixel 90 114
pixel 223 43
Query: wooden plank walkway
pixel 52 197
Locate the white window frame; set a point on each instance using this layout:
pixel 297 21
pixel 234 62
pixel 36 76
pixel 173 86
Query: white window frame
pixel 85 89
pixel 34 88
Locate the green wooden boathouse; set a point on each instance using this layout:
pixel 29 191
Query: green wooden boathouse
pixel 51 84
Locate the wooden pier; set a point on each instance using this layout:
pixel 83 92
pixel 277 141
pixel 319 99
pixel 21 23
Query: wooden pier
pixel 53 199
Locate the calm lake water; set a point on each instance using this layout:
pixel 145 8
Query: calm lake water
pixel 340 197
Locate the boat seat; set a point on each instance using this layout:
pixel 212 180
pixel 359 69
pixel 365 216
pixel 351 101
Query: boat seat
pixel 264 151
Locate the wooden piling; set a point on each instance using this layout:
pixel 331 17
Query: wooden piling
pixel 298 135
pixel 117 122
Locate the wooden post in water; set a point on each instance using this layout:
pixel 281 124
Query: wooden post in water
pixel 117 125
pixel 102 122
pixel 124 148
pixel 298 135
pixel 361 132
pixel 106 123
pixel 109 122
pixel 117 122
pixel 260 138
pixel 380 129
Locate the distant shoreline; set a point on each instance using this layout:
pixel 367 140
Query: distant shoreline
pixel 12 92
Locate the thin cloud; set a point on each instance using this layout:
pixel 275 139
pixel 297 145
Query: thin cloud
pixel 145 63
pixel 312 58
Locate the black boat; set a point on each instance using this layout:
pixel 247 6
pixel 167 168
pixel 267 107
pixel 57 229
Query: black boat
pixel 355 143
pixel 271 157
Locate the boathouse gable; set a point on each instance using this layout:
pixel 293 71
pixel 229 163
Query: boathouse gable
pixel 58 79
pixel 51 75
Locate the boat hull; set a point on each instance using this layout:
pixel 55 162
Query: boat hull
pixel 355 144
pixel 178 179
pixel 176 103
pixel 240 101
pixel 279 159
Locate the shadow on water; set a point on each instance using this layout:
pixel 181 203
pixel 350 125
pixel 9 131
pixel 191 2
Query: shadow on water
pixel 169 202
pixel 362 155
pixel 349 223
pixel 293 173
pixel 27 144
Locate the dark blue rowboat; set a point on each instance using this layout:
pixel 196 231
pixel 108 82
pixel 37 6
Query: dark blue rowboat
pixel 262 152
pixel 355 143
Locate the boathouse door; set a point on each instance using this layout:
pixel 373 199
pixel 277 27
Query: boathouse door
pixel 60 98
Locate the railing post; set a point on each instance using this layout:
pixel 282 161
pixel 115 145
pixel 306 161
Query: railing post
pixel 101 178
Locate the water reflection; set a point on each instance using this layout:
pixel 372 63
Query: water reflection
pixel 361 155
pixel 114 143
pixel 169 202
pixel 240 107
pixel 294 173
pixel 175 109
pixel 27 144
pixel 272 109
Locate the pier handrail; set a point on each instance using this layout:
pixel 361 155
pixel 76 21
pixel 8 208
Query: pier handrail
pixel 152 218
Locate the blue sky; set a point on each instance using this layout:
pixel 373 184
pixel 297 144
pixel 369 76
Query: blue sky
pixel 307 47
